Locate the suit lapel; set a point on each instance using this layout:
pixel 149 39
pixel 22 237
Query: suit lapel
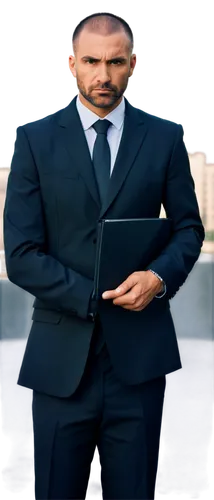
pixel 73 138
pixel 133 135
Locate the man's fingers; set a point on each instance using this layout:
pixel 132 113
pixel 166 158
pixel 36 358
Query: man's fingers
pixel 129 298
pixel 122 288
pixel 111 294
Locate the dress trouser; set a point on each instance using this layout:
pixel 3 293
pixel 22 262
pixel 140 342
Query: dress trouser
pixel 122 421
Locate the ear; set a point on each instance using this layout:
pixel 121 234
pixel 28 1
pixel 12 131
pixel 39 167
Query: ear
pixel 72 65
pixel 135 61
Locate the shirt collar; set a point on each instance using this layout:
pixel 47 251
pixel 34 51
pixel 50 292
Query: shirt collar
pixel 88 118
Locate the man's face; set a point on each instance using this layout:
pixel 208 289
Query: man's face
pixel 102 66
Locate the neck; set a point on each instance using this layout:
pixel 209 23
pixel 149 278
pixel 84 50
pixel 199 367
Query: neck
pixel 101 112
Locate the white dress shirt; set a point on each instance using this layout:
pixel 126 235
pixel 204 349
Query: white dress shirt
pixel 114 134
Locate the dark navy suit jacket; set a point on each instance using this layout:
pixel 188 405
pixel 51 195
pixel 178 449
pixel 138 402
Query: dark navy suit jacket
pixel 50 222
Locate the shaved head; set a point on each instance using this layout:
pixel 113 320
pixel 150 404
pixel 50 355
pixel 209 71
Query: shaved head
pixel 104 24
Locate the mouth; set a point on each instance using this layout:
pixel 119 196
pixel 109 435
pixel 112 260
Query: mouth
pixel 103 90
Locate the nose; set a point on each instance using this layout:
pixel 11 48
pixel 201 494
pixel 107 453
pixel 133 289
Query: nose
pixel 103 74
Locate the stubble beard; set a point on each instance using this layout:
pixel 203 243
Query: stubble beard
pixel 97 102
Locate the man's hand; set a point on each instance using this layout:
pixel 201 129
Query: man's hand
pixel 136 292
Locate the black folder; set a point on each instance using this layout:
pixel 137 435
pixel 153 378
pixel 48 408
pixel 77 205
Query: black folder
pixel 125 246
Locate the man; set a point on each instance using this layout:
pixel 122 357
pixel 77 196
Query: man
pixel 97 370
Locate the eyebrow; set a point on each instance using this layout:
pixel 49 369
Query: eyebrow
pixel 119 58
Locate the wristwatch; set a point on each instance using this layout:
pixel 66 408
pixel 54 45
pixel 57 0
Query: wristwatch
pixel 160 294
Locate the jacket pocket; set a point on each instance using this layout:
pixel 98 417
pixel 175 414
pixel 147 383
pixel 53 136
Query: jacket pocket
pixel 46 316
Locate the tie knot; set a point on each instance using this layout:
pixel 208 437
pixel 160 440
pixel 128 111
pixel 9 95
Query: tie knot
pixel 101 126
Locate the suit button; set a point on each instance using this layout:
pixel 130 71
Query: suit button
pixel 95 240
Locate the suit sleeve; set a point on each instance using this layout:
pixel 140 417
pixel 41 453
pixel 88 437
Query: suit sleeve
pixel 28 263
pixel 180 203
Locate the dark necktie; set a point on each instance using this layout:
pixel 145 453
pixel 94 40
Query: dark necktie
pixel 102 157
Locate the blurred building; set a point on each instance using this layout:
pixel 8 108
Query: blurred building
pixel 203 175
pixel 3 184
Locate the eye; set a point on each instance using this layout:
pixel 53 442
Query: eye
pixel 114 62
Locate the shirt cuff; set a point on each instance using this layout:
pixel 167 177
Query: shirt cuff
pixel 162 293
